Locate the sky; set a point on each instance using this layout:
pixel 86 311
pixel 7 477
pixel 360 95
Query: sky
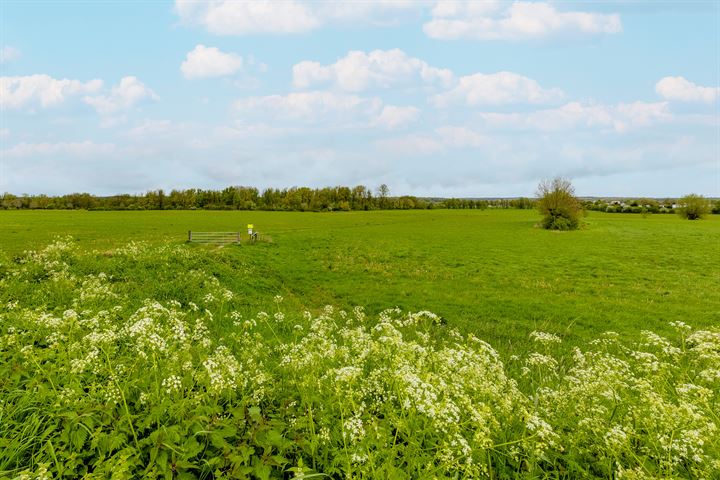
pixel 446 98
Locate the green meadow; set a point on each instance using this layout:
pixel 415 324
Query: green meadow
pixel 373 345
pixel 486 272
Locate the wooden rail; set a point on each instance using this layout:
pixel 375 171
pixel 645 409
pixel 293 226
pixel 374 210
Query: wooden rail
pixel 213 237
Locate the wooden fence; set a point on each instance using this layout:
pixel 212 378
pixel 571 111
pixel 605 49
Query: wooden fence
pixel 213 237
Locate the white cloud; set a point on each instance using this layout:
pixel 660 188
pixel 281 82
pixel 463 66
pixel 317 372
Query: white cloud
pixel 310 106
pixel 4 132
pixel 329 109
pixel 230 17
pixel 574 115
pixel 9 54
pixel 464 8
pixel 128 93
pixel 494 20
pixel 504 160
pixel 152 128
pixel 392 117
pixel 358 71
pixel 203 62
pixel 82 149
pixel 496 89
pixel 681 89
pixel 376 12
pixel 442 139
pixel 18 92
pixel 461 137
pixel 412 144
pixel 225 17
pixel 254 131
pixel 485 19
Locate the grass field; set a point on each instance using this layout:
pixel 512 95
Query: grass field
pixel 127 353
pixel 487 272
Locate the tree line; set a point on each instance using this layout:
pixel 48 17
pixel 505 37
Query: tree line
pixel 643 205
pixel 325 199
pixel 304 199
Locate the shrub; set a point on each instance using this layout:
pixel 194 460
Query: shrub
pixel 693 207
pixel 557 203
pixel 716 207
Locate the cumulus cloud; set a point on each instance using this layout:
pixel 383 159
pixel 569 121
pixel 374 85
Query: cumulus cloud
pixel 578 115
pixel 204 62
pixel 310 106
pixel 358 71
pixel 42 90
pixel 9 54
pixel 496 89
pixel 238 18
pixel 230 17
pixel 495 20
pixel 461 137
pixel 392 117
pixel 441 139
pixel 683 90
pixel 122 97
pixel 328 108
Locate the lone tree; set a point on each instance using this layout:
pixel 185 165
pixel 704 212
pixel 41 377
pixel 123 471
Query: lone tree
pixel 557 203
pixel 693 207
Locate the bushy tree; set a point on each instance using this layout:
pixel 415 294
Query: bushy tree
pixel 693 207
pixel 557 203
pixel 716 207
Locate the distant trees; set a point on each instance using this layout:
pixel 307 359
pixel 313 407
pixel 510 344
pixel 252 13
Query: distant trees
pixel 339 198
pixel 382 192
pixel 361 198
pixel 557 203
pixel 305 199
pixel 522 203
pixel 693 207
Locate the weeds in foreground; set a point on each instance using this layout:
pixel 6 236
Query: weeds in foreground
pixel 92 386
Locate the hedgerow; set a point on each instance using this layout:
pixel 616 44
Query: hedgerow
pixel 94 384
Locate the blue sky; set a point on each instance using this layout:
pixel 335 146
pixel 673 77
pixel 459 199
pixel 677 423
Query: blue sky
pixel 446 98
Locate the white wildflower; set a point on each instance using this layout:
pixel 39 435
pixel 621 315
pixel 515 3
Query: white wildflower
pixel 545 338
pixel 172 384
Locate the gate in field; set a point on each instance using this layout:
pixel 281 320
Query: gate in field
pixel 213 237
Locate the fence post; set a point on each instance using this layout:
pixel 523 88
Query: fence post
pixel 189 235
pixel 238 237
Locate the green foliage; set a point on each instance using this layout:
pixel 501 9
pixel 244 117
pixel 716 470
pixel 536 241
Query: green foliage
pixel 642 205
pixel 231 198
pixel 99 381
pixel 557 204
pixel 693 207
pixel 302 199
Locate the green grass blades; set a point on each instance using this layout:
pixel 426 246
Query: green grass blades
pixel 489 272
pixel 140 356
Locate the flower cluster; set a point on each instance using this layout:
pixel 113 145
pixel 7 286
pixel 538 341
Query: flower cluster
pixel 99 380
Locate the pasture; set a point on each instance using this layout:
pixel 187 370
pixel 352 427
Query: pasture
pixel 358 345
pixel 485 272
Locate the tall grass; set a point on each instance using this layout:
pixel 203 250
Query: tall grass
pixel 98 382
